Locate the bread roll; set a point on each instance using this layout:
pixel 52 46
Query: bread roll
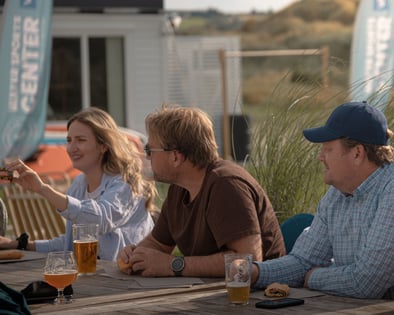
pixel 277 290
pixel 123 266
pixel 11 254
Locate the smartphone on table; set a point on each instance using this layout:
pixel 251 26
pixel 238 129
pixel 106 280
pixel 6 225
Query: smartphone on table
pixel 279 303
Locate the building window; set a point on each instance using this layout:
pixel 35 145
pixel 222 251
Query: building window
pixel 98 81
pixel 65 92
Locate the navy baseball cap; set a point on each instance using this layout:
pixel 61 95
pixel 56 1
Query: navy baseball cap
pixel 355 120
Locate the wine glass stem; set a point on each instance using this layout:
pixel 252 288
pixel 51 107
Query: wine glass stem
pixel 60 296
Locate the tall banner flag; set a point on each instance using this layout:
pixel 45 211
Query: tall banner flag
pixel 372 56
pixel 25 58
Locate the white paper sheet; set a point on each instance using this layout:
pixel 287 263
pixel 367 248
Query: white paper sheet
pixel 138 282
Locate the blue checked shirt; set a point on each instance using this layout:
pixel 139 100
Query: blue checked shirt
pixel 351 236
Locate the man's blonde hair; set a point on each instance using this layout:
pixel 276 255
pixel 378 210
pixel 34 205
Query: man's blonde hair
pixel 188 130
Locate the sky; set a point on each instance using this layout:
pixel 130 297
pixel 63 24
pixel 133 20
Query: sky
pixel 227 6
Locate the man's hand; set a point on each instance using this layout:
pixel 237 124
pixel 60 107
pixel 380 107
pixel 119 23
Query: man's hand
pixel 151 262
pixel 308 274
pixel 123 260
pixel 255 274
pixel 239 270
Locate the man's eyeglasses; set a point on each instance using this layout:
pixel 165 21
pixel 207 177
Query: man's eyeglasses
pixel 148 150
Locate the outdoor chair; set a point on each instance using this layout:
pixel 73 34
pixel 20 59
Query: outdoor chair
pixel 31 213
pixel 293 227
pixel 3 218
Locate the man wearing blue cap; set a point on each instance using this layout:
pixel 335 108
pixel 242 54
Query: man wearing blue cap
pixel 349 248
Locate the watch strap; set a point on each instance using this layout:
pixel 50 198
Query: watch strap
pixel 22 241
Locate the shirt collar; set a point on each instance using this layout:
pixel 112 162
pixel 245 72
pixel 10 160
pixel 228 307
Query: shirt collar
pixel 368 184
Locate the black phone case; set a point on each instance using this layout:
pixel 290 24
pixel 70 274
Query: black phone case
pixel 42 292
pixel 279 303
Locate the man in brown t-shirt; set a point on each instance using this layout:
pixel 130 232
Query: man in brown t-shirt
pixel 212 207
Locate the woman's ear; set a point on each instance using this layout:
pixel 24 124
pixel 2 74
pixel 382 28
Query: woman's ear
pixel 104 148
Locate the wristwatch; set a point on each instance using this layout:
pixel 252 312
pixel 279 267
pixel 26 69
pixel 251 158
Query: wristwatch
pixel 23 240
pixel 177 265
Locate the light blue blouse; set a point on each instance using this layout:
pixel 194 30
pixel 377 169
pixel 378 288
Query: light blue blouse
pixel 121 216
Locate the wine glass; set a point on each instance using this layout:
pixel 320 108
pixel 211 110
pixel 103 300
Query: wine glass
pixel 60 271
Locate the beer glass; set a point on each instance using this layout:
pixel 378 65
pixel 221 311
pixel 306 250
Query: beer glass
pixel 238 269
pixel 85 239
pixel 60 271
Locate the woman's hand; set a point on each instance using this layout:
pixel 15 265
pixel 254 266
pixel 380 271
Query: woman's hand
pixel 7 243
pixel 27 178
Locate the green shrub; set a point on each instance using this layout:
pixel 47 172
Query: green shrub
pixel 283 162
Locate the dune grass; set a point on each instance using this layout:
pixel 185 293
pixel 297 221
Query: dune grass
pixel 284 163
pixel 281 160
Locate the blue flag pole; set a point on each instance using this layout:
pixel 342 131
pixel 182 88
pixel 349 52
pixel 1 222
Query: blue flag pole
pixel 372 56
pixel 25 57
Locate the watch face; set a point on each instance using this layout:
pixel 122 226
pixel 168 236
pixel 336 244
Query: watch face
pixel 177 264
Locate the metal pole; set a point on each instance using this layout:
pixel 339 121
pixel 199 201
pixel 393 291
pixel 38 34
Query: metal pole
pixel 325 56
pixel 225 120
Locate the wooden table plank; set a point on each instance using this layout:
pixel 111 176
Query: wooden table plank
pixel 215 302
pixel 102 295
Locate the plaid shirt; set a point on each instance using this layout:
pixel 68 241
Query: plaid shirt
pixel 351 236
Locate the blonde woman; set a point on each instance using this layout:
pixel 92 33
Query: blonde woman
pixel 111 190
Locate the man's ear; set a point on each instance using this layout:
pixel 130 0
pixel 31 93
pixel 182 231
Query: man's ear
pixel 178 157
pixel 359 152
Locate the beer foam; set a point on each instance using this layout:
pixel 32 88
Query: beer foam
pixel 236 284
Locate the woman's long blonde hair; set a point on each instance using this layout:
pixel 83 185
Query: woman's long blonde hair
pixel 122 156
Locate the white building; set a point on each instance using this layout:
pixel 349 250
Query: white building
pixel 123 56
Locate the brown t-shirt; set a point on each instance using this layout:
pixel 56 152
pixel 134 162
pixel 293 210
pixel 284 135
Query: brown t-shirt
pixel 230 205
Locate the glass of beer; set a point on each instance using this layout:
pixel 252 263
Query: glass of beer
pixel 60 271
pixel 238 269
pixel 85 238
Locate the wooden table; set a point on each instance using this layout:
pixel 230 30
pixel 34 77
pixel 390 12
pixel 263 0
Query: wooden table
pixel 98 295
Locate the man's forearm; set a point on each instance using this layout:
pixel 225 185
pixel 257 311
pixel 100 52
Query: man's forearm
pixel 204 266
pixel 151 242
